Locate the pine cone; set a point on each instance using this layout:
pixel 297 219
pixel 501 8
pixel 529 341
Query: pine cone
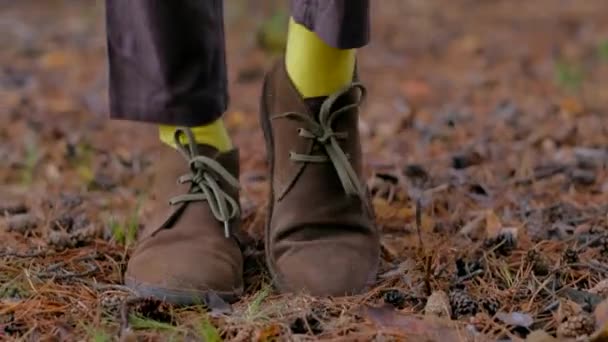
pixel 540 265
pixel 600 289
pixel 490 305
pixel 395 297
pixel 462 304
pixel 576 326
pixel 570 256
pixel 438 304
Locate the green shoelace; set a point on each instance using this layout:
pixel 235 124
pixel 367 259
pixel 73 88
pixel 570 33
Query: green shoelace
pixel 323 133
pixel 204 177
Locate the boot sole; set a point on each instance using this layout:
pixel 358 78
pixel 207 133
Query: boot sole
pixel 210 299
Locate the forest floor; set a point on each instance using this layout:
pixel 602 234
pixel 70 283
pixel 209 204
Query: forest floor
pixel 488 119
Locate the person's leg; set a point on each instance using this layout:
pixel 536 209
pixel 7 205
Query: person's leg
pixel 321 43
pixel 167 67
pixel 320 234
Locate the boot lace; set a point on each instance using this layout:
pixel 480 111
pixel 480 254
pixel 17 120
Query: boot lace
pixel 323 134
pixel 204 178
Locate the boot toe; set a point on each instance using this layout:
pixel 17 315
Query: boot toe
pixel 186 277
pixel 331 267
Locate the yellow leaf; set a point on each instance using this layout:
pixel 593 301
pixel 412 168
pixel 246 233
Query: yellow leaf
pixel 56 59
pixel 269 333
pixel 572 106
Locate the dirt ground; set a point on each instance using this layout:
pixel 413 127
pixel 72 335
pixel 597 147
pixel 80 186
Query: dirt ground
pixel 486 146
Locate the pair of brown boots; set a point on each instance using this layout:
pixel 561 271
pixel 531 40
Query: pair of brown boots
pixel 320 232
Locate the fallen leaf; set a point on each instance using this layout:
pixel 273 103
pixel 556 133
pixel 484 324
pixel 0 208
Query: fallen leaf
pixel 438 304
pixel 57 59
pixel 473 225
pixel 416 90
pixel 517 319
pixel 431 329
pixel 493 225
pixel 269 333
pixel 572 106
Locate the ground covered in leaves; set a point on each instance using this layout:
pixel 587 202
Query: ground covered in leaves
pixel 486 145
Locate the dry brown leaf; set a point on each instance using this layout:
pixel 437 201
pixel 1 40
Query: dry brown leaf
pixel 517 319
pixel 415 90
pixel 56 59
pixel 572 106
pixel 438 304
pixel 493 225
pixel 432 328
pixel 269 333
pixel 394 215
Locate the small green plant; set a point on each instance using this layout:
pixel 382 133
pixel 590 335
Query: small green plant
pixel 138 322
pixel 505 274
pixel 124 233
pixel 143 323
pixel 13 287
pixel 602 50
pixel 254 311
pixel 569 75
pixel 100 336
pixel 207 331
pixel 32 156
pixel 95 334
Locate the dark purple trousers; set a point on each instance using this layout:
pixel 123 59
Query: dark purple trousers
pixel 167 57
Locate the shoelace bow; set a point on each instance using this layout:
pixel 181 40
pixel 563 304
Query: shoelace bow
pixel 323 133
pixel 205 174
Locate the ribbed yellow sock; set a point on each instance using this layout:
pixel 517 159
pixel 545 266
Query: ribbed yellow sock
pixel 213 134
pixel 315 68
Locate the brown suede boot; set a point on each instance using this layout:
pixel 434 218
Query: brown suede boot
pixel 187 253
pixel 320 235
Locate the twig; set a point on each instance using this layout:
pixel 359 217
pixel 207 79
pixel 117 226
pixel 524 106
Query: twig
pixel 124 312
pixel 552 306
pixel 32 254
pixel 427 259
pixel 103 287
pixel 541 174
pixel 125 309
pixel 469 276
pixel 52 270
pixel 594 265
pixel 419 225
pixel 91 269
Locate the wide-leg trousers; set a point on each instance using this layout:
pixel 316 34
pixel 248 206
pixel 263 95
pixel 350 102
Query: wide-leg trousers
pixel 167 59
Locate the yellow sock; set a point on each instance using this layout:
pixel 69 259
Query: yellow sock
pixel 315 68
pixel 213 134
